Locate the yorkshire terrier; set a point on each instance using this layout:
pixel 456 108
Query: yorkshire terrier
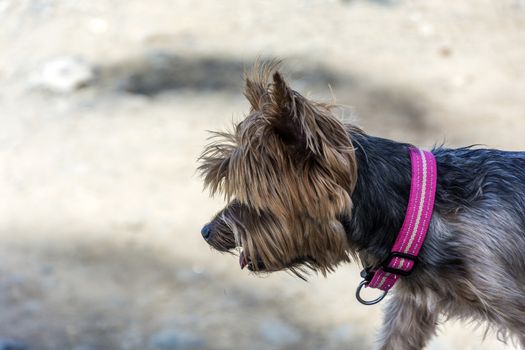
pixel 307 192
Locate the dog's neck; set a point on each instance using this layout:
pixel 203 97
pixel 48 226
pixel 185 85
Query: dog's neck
pixel 380 198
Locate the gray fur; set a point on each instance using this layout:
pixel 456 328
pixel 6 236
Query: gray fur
pixel 472 265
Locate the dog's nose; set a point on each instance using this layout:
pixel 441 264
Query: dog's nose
pixel 206 231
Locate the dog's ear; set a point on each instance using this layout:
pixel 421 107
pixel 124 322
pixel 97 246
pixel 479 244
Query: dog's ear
pixel 286 111
pixel 256 83
pixel 255 92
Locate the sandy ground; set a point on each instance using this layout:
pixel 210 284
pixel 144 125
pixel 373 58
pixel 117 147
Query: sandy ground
pixel 100 204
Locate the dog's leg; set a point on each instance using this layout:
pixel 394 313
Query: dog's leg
pixel 408 324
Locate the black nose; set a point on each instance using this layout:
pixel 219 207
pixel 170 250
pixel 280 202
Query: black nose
pixel 206 231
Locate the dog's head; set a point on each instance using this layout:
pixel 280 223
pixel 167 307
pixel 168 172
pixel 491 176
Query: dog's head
pixel 287 171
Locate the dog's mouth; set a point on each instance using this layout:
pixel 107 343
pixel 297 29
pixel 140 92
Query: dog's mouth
pixel 244 261
pixel 294 265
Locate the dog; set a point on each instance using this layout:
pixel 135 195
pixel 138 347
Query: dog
pixel 307 193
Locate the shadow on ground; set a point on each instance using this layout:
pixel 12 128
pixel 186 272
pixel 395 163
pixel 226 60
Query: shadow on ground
pixel 106 295
pixel 160 73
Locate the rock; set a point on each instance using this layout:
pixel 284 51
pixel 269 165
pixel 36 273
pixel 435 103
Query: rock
pixel 279 333
pixel 30 307
pixel 10 344
pixel 98 25
pixel 84 347
pixel 63 75
pixel 176 340
pixel 12 281
pixel 131 338
pixel 5 6
pixel 445 51
pixel 343 334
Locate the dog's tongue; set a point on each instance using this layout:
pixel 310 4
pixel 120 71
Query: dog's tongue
pixel 242 260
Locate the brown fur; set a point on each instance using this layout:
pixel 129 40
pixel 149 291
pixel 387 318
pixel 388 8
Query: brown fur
pixel 263 160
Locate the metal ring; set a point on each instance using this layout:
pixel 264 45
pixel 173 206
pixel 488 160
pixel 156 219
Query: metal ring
pixel 367 302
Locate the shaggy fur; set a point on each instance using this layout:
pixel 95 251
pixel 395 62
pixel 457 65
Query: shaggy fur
pixel 307 192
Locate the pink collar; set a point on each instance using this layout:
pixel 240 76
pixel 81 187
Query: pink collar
pixel 403 255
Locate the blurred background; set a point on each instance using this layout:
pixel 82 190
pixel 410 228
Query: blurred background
pixel 104 107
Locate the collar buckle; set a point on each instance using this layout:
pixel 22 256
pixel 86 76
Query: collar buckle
pixel 399 271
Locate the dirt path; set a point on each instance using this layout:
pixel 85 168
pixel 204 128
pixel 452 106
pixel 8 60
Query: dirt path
pixel 100 205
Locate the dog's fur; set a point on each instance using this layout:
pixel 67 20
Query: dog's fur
pixel 308 192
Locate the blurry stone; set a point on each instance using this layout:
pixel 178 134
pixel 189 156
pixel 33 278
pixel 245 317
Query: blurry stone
pixel 197 269
pixel 191 275
pixel 63 75
pixel 98 25
pixel 131 338
pixel 4 6
pixel 279 333
pixel 384 2
pixel 459 81
pixel 31 307
pixel 119 302
pixel 378 2
pixel 426 29
pixel 12 281
pixel 175 339
pixel 343 334
pixel 445 51
pixel 84 347
pixel 10 344
pixel 42 6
